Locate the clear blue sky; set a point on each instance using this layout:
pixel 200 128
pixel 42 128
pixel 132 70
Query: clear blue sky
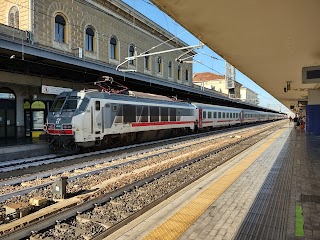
pixel 211 65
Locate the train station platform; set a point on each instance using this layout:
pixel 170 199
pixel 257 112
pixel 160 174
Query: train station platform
pixel 270 191
pixel 22 148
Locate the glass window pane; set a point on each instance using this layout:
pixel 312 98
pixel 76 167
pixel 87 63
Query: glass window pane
pixel 38 119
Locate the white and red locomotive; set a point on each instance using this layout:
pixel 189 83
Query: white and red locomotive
pixel 89 118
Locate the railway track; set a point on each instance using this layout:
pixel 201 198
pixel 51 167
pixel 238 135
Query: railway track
pixel 110 163
pixel 14 165
pixel 102 197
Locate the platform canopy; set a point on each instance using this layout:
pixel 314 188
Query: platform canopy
pixel 269 41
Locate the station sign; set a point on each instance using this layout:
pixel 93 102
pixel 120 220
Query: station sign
pixel 311 74
pixel 54 90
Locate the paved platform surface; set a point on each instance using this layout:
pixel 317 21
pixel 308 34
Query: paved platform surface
pixel 22 148
pixel 276 197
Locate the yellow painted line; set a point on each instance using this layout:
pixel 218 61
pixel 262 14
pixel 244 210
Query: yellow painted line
pixel 178 223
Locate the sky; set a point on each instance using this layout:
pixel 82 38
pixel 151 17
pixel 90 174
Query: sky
pixel 213 62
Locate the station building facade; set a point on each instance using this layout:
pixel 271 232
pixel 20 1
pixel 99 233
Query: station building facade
pixel 99 33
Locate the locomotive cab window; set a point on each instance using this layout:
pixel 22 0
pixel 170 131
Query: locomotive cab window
pixel 84 104
pixel 97 105
pixel 56 106
pixel 68 104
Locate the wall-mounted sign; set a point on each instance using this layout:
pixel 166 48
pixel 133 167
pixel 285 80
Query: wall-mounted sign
pixel 54 90
pixel 311 74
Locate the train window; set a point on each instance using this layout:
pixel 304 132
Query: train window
pixel 83 105
pixel 204 114
pixel 164 112
pixel 173 114
pixel 129 113
pixel 179 112
pixel 227 115
pixel 214 115
pixel 71 104
pixel 209 114
pixel 139 111
pixel 219 114
pixel 223 115
pixel 118 109
pixel 145 114
pixel 97 105
pixel 56 106
pixel 107 105
pixel 154 114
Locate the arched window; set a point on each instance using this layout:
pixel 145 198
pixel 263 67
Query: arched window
pixel 131 54
pixel 59 29
pixel 13 17
pixel 179 72
pixel 170 69
pixel 147 62
pixel 159 65
pixel 187 75
pixel 89 39
pixel 113 48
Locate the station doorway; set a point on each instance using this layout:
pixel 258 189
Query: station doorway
pixel 7 114
pixel 35 114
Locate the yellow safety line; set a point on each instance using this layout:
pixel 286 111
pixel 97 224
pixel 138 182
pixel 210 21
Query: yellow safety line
pixel 177 224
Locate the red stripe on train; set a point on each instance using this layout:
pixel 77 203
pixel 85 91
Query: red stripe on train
pixel 60 131
pixel 145 124
pixel 228 120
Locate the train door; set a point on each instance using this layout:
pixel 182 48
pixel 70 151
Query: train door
pixel 200 118
pixel 98 117
pixel 241 117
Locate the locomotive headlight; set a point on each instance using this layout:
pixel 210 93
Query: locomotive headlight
pixel 67 126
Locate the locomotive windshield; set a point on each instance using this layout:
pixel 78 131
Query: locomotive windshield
pixel 68 104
